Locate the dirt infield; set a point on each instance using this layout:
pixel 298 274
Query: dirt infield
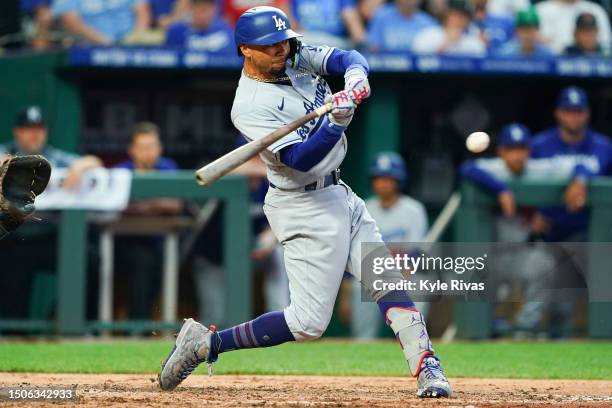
pixel 229 390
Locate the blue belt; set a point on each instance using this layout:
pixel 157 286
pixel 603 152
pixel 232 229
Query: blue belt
pixel 331 179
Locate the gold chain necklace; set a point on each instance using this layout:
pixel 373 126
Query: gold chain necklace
pixel 284 78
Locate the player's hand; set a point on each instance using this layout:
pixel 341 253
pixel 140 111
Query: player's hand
pixel 73 177
pixel 342 109
pixel 575 196
pixel 507 203
pixel 357 85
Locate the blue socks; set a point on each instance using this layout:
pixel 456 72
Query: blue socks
pixel 267 330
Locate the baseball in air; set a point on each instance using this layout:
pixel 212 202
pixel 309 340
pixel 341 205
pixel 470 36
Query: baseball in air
pixel 477 142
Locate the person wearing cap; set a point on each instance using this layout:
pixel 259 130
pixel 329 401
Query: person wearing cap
pixel 558 21
pixel 400 219
pixel 394 26
pixel 586 41
pixel 205 31
pixel 30 137
pixel 527 38
pixel 531 265
pixel 591 152
pixel 454 37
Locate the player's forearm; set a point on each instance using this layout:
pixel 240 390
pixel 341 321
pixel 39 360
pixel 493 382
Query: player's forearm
pixel 304 156
pixel 340 61
pixel 470 171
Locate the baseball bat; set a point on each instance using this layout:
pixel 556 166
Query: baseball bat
pixel 215 170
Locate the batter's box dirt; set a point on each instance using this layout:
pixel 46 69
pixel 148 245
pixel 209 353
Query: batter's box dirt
pixel 309 391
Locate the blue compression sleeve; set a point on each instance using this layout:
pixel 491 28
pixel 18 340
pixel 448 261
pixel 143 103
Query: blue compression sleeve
pixel 304 156
pixel 341 61
pixel 470 171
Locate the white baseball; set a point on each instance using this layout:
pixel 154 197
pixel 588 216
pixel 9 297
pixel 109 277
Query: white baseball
pixel 477 142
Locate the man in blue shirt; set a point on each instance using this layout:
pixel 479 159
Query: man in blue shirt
pixel 205 31
pixel 591 152
pixel 527 40
pixel 394 26
pixel 330 20
pixel 145 151
pixel 103 22
pixel 138 257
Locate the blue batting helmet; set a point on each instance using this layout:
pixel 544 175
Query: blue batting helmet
pixel 389 164
pixel 263 26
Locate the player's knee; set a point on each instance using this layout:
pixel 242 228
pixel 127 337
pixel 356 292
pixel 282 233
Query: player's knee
pixel 311 331
pixel 305 327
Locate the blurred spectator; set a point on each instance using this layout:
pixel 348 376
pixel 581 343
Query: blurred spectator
pixel 395 26
pixel 30 137
pixel 232 9
pixel 592 153
pixel 328 22
pixel 40 11
pixel 138 256
pixel 513 161
pixel 145 151
pixel 401 219
pixel 437 8
pixel 39 238
pixel 453 38
pixel 558 21
pixel 103 22
pixel 585 37
pixel 532 265
pixel 507 8
pixel 204 32
pixel 367 8
pixel 495 30
pixel 167 12
pixel 527 42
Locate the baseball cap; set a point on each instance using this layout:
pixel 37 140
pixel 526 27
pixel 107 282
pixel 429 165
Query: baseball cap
pixel 586 21
pixel 464 6
pixel 514 134
pixel 527 18
pixel 573 98
pixel 30 116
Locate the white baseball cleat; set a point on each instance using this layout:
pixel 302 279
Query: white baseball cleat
pixel 191 348
pixel 432 382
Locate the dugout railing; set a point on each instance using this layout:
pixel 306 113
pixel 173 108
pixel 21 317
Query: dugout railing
pixel 474 223
pixel 70 316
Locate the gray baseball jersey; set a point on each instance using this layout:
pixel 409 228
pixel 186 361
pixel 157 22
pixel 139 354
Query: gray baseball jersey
pixel 406 221
pixel 262 107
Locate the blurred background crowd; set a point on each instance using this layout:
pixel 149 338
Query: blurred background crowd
pixel 510 28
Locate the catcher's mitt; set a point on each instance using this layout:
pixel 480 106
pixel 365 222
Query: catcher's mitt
pixel 22 178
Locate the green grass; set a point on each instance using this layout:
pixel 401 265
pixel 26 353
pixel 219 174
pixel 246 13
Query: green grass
pixel 568 360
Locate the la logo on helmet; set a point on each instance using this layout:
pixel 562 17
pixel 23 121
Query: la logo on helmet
pixel 280 23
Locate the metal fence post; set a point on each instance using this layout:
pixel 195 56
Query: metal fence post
pixel 72 277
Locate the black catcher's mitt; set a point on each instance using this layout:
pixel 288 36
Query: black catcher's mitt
pixel 22 178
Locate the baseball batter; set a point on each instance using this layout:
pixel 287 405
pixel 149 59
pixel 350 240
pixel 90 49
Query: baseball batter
pixel 318 219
